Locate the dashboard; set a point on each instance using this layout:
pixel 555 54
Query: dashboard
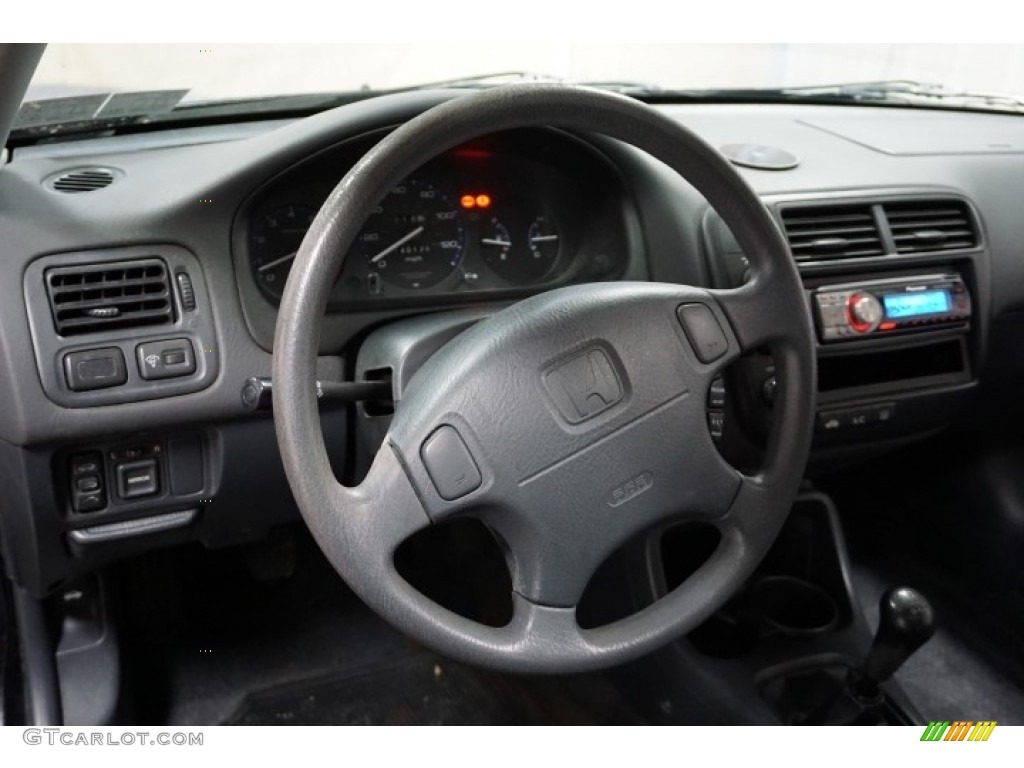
pixel 132 314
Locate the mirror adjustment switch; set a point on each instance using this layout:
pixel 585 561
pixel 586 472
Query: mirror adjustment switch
pixel 95 369
pixel 137 478
pixel 449 464
pixel 165 359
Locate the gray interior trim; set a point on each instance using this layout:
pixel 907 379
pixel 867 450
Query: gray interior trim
pixel 129 528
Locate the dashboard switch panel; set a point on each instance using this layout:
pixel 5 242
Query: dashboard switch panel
pixel 95 369
pixel 166 359
pixel 120 378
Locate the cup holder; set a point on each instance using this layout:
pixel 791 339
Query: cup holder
pixel 793 607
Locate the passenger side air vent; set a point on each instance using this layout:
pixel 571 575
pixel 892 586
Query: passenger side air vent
pixel 826 232
pixel 931 225
pixel 99 297
pixel 81 180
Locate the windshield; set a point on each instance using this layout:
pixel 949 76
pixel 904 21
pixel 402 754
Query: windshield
pixel 245 71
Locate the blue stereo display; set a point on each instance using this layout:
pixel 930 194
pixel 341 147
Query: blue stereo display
pixel 899 305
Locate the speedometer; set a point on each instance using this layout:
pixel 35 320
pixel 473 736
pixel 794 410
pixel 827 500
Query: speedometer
pixel 415 238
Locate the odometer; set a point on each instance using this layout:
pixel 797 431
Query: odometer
pixel 415 238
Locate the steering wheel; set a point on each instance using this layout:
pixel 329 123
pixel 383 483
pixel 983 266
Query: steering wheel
pixel 568 422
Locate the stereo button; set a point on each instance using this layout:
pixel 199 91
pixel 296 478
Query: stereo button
pixel 833 315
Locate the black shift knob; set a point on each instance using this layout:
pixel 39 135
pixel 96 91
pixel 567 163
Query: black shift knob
pixel 905 621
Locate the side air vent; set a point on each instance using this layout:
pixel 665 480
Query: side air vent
pixel 81 180
pixel 100 297
pixel 931 225
pixel 821 233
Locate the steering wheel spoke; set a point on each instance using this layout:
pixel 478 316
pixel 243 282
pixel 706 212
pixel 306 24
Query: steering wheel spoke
pixel 759 314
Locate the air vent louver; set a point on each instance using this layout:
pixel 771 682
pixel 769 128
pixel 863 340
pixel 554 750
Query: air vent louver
pixel 832 232
pixel 81 180
pixel 931 225
pixel 99 297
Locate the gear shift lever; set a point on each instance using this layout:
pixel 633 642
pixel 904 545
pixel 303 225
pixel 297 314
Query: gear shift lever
pixel 905 622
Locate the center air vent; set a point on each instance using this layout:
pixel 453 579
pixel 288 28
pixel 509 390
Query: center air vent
pixel 81 180
pixel 931 225
pixel 825 232
pixel 99 297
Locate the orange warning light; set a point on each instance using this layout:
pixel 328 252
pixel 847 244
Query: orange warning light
pixel 467 201
pixel 483 201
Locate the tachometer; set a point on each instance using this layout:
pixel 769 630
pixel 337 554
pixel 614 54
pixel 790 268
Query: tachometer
pixel 273 243
pixel 415 238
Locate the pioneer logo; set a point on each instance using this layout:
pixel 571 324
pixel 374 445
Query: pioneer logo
pixel 630 489
pixel 583 385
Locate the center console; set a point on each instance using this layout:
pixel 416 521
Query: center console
pixel 896 287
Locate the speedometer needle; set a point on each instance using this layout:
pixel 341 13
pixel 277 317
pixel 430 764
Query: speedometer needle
pixel 397 244
pixel 275 262
pixel 495 241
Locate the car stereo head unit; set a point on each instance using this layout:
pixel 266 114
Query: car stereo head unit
pixel 884 307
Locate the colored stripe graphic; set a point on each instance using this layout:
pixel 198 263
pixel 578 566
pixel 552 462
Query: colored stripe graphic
pixel 958 730
pixel 982 730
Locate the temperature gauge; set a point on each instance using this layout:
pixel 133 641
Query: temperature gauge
pixel 543 243
pixel 496 244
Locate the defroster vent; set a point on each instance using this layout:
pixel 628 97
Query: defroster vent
pixel 81 180
pixel 100 297
pixel 819 233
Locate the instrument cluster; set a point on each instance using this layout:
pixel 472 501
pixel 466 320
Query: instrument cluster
pixel 480 220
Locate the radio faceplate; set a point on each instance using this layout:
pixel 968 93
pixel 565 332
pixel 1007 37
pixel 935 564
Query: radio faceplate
pixel 876 308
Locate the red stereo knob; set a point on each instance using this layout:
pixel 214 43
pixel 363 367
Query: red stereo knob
pixel 865 312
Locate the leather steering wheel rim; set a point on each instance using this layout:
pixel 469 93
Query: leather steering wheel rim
pixel 562 482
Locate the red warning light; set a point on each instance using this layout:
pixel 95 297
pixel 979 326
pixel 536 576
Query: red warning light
pixel 483 201
pixel 468 201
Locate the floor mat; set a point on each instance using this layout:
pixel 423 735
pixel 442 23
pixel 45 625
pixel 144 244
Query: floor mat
pixel 208 644
pixel 421 689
